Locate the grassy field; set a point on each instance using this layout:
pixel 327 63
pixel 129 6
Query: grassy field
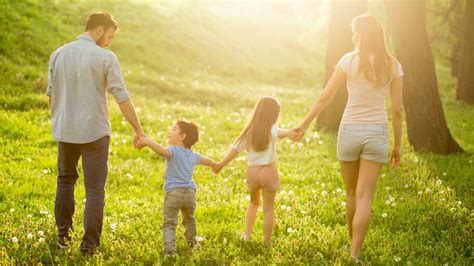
pixel 422 212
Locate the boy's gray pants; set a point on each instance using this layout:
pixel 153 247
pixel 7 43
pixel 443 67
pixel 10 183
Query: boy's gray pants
pixel 183 199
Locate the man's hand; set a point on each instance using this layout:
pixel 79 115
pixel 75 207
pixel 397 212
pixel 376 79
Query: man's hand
pixel 138 140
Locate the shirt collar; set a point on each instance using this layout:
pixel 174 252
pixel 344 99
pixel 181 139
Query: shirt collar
pixel 86 37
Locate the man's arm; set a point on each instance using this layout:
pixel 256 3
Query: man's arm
pixel 128 111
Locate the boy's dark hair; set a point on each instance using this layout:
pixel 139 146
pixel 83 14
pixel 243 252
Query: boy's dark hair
pixel 191 130
pixel 103 18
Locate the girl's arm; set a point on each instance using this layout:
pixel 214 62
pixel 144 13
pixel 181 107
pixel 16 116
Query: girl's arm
pixel 159 149
pixel 396 106
pixel 229 157
pixel 323 100
pixel 207 162
pixel 283 133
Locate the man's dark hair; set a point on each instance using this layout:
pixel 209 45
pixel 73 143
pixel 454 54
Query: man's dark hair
pixel 104 19
pixel 191 131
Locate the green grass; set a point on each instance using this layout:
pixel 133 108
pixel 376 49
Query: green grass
pixel 429 218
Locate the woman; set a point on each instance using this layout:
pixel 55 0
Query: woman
pixel 362 145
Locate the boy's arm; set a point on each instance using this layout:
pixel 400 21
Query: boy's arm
pixel 207 162
pixel 158 148
pixel 283 133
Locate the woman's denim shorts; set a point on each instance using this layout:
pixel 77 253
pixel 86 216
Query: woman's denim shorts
pixel 366 141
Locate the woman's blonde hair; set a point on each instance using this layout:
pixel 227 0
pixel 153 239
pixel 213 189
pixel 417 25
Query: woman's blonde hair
pixel 258 129
pixel 371 42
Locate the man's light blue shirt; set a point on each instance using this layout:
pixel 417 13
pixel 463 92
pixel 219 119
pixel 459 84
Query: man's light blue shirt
pixel 79 76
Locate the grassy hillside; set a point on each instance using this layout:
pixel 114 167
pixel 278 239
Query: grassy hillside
pixel 182 60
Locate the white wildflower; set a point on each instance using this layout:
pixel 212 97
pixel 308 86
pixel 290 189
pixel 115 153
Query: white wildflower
pixel 289 230
pixel 113 226
pixel 29 236
pixel 14 240
pixel 384 215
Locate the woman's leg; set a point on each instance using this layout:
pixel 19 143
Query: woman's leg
pixel 268 215
pixel 368 174
pixel 350 175
pixel 252 210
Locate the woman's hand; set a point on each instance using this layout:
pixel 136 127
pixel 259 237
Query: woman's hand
pixel 395 157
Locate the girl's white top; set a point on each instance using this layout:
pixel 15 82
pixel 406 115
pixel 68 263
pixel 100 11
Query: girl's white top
pixel 265 157
pixel 366 101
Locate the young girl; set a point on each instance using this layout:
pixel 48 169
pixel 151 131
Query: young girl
pixel 258 138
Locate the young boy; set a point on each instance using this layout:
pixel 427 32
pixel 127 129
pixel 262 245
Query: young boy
pixel 180 189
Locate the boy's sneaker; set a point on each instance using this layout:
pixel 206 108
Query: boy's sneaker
pixel 63 242
pixel 170 255
pixel 196 244
pixel 245 237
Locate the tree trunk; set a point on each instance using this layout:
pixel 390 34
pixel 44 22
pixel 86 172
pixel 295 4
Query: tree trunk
pixel 465 87
pixel 426 125
pixel 339 43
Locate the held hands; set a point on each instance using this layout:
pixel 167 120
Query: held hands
pixel 395 157
pixel 297 133
pixel 138 135
pixel 140 141
pixel 217 167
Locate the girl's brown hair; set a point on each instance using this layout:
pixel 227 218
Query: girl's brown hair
pixel 258 129
pixel 371 42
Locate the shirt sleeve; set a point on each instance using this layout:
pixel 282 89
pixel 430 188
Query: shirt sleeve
pixel 344 63
pixel 198 157
pixel 274 132
pixel 171 150
pixel 397 70
pixel 240 145
pixel 114 80
pixel 49 90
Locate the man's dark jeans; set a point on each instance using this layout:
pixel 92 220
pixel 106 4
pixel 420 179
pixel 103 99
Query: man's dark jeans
pixel 94 165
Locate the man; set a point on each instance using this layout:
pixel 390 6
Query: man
pixel 80 75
